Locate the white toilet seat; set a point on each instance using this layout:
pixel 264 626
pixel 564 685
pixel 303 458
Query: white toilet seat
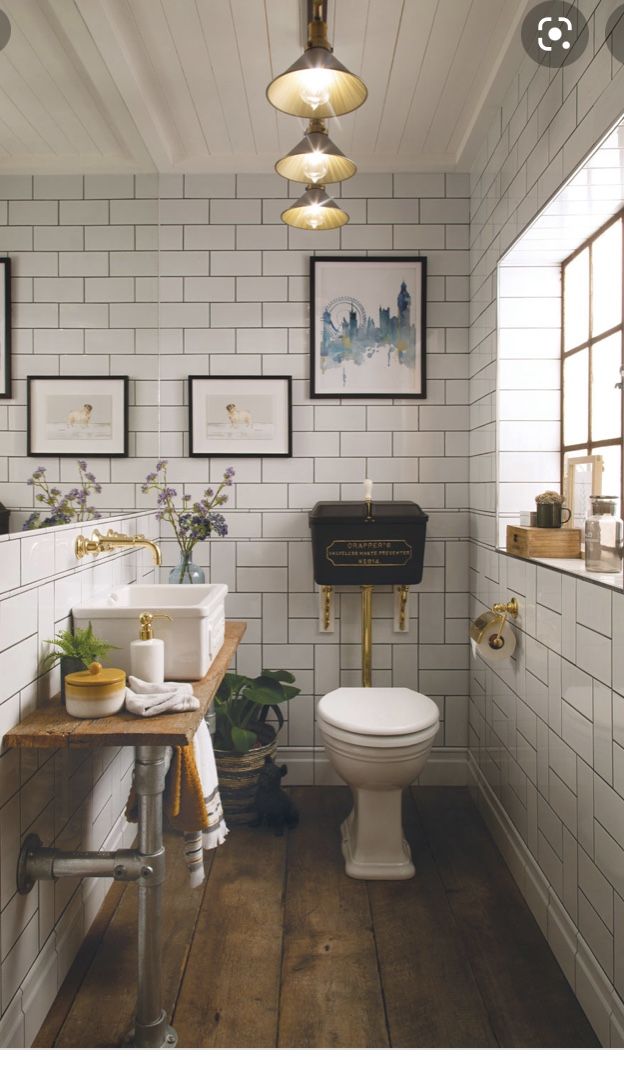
pixel 378 716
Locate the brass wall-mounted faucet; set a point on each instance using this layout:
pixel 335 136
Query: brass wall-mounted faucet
pixel 113 540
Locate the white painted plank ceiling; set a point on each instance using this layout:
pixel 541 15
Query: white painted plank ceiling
pixel 176 85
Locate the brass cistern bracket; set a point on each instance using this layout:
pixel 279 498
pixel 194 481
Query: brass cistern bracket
pixel 327 608
pixel 401 619
pixel 113 540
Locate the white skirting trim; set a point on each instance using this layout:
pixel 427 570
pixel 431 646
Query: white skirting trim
pixel 446 767
pixel 592 987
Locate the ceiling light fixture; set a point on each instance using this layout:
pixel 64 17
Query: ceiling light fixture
pixel 316 159
pixel 315 211
pixel 317 85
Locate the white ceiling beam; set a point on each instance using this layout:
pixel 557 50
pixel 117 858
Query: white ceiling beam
pixel 114 28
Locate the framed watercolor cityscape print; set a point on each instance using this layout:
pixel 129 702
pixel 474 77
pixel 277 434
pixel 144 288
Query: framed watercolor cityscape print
pixel 75 416
pixel 5 327
pixel 233 415
pixel 368 327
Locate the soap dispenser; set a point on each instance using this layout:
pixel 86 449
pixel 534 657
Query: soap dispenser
pixel 147 654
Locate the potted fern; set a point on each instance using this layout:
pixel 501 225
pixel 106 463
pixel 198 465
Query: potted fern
pixel 244 737
pixel 75 651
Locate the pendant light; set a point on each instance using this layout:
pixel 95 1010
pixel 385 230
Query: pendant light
pixel 315 211
pixel 316 159
pixel 317 85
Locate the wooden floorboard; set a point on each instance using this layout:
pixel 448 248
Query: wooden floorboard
pixel 529 1001
pixel 331 988
pixel 230 993
pixel 430 993
pixel 281 948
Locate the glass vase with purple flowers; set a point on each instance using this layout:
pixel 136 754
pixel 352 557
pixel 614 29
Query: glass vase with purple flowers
pixel 191 522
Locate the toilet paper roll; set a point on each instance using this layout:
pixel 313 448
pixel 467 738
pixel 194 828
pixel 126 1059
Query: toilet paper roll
pixel 490 655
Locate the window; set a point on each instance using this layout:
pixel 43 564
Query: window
pixel 592 355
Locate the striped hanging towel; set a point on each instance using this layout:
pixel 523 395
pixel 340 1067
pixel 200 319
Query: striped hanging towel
pixel 192 803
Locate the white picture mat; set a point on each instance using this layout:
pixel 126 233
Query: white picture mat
pixel 259 423
pixel 52 399
pixel 371 286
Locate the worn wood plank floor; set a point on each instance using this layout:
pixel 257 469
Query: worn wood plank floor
pixel 281 949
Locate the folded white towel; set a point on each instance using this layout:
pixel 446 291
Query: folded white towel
pixel 195 843
pixel 147 700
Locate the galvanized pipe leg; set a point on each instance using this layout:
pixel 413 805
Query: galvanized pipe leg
pixel 152 1029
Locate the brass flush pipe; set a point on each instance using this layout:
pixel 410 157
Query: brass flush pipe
pixel 367 635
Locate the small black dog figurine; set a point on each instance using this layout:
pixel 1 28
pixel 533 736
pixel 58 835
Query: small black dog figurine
pixel 272 803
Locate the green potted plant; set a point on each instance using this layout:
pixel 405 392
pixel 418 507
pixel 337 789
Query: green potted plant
pixel 244 737
pixel 75 651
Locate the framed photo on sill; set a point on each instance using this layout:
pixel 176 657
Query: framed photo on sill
pixel 368 327
pixel 246 416
pixel 76 416
pixel 5 327
pixel 582 479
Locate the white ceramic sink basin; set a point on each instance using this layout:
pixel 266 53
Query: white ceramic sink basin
pixel 193 636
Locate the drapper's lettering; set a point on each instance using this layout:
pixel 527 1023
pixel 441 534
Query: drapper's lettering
pixel 368 553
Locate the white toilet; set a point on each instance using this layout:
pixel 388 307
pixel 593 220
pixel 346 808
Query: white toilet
pixel 378 740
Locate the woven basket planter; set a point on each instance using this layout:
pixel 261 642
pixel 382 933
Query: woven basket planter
pixel 239 775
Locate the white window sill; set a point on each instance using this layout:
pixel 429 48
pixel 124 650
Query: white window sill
pixel 572 566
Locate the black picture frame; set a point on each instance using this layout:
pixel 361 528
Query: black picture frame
pixel 6 390
pixel 357 352
pixel 236 439
pixel 80 436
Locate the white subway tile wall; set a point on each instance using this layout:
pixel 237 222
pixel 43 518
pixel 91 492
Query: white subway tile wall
pixel 546 733
pixel 73 800
pixel 196 275
pixel 159 279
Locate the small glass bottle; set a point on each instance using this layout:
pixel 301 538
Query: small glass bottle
pixel 604 536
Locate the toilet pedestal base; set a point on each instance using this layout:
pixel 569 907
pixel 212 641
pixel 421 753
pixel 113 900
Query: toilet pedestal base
pixel 373 845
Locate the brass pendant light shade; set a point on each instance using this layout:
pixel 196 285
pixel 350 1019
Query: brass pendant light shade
pixel 315 159
pixel 315 211
pixel 317 85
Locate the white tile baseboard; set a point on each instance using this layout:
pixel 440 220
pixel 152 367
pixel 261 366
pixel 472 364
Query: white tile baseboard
pixel 586 977
pixel 446 767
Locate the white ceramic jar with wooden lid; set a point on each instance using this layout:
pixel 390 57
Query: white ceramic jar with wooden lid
pixel 95 692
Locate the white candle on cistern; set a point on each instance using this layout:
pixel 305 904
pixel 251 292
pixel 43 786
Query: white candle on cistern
pixel 368 490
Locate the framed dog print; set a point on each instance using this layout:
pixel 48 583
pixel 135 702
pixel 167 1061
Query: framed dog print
pixel 77 417
pixel 5 327
pixel 236 416
pixel 368 327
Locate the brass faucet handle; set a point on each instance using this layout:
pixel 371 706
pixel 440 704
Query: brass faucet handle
pixel 84 546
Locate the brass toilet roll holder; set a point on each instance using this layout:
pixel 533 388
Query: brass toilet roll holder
pixel 499 612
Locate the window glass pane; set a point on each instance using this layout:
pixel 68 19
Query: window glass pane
pixel 607 279
pixel 606 398
pixel 611 473
pixel 576 306
pixel 576 398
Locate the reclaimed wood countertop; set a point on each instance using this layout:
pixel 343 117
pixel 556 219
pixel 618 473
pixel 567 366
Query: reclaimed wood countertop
pixel 51 725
